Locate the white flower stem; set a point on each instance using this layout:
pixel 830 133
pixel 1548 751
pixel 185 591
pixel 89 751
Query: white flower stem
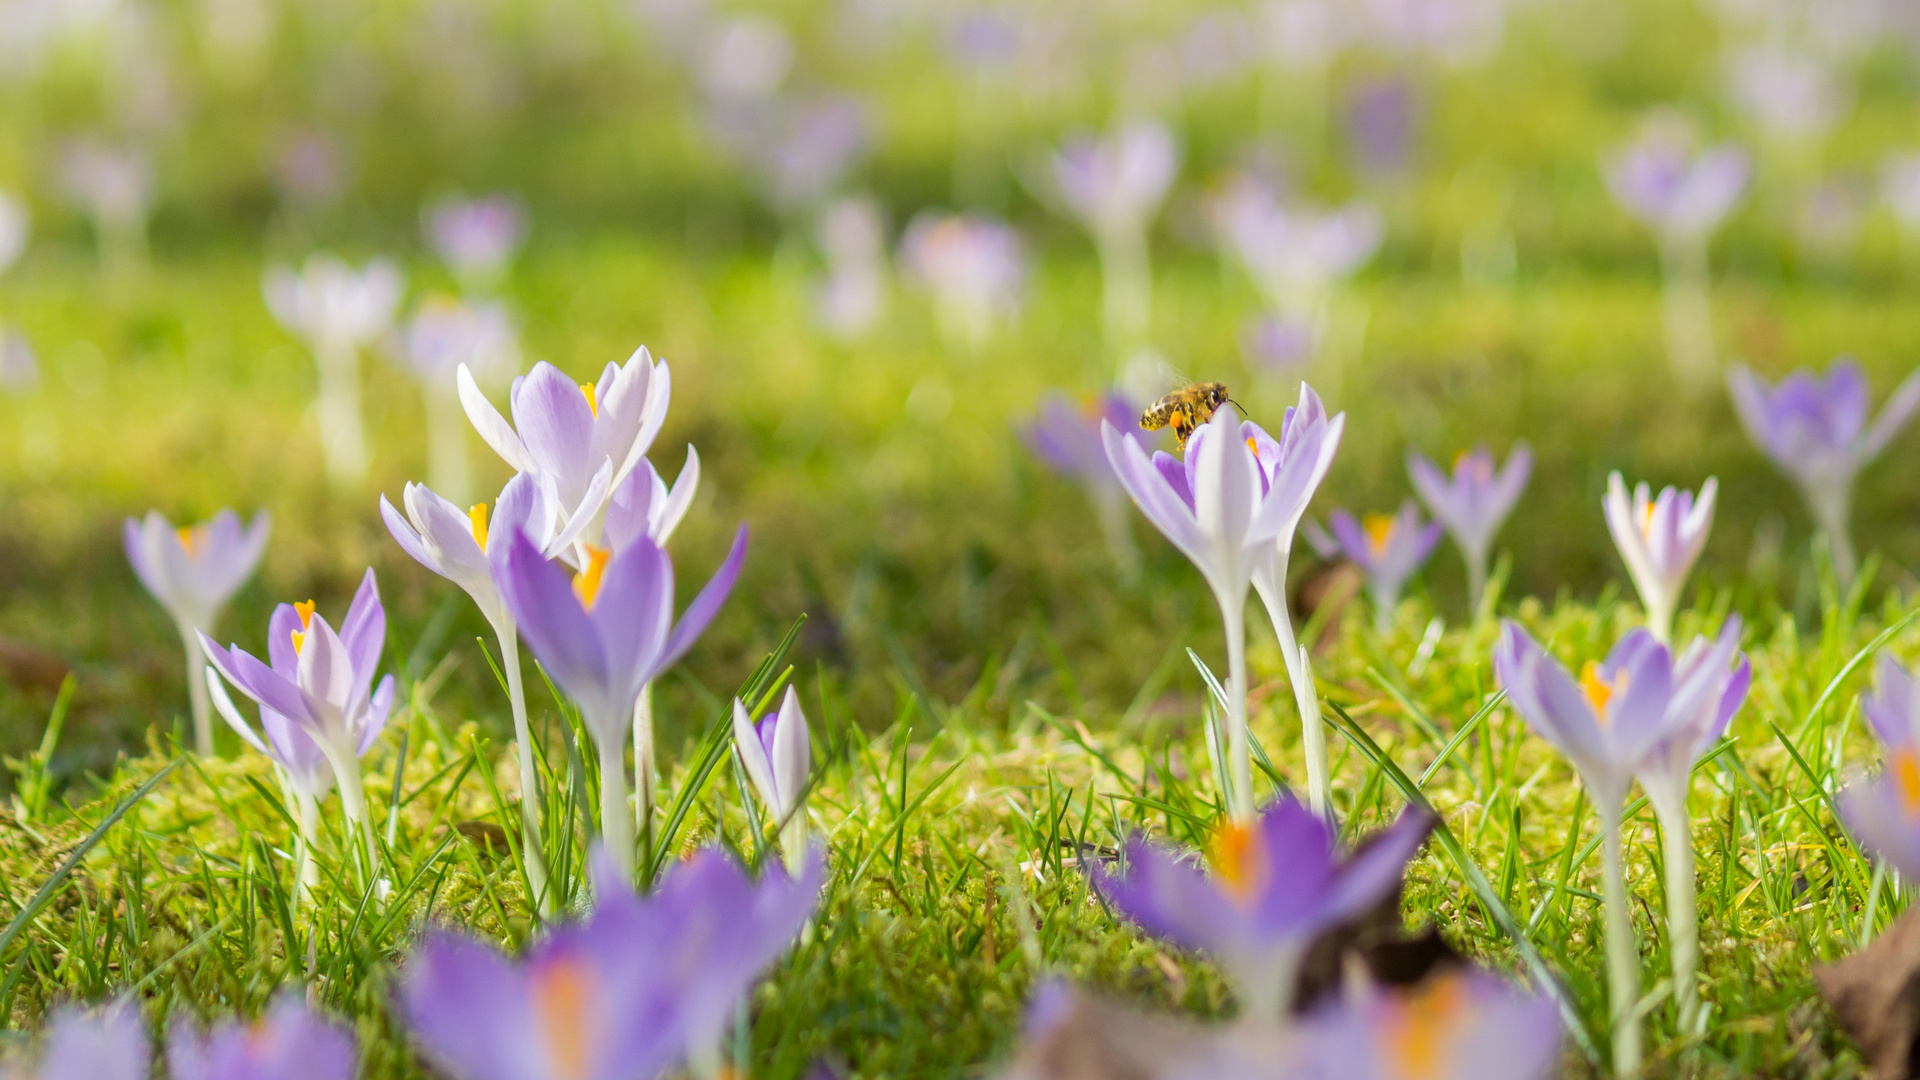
pixel 793 841
pixel 1127 290
pixel 1832 506
pixel 1476 580
pixel 307 870
pixel 1683 915
pixel 533 848
pixel 1687 311
pixel 343 440
pixel 1623 953
pixel 1239 760
pixel 1659 618
pixel 1313 732
pixel 449 468
pixel 353 803
pixel 197 691
pixel 1383 604
pixel 616 820
pixel 644 776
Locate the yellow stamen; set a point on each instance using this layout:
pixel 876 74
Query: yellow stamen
pixel 1239 861
pixel 478 516
pixel 586 584
pixel 1905 767
pixel 1251 445
pixel 1379 531
pixel 305 610
pixel 1460 458
pixel 1646 520
pixel 593 403
pixel 1422 1028
pixel 191 538
pixel 1599 691
pixel 562 1000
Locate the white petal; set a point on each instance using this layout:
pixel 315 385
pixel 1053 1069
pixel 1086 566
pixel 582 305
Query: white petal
pixel 792 753
pixel 491 425
pixel 754 756
pixel 679 499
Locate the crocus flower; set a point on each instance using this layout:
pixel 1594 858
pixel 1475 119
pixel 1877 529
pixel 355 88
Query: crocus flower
pixel 852 237
pixel 15 226
pixel 310 167
pixel 586 437
pixel 305 774
pixel 604 636
pixel 1306 35
pixel 337 310
pixel 476 238
pixel 1224 512
pixel 1065 436
pixel 193 571
pixel 1388 550
pixel 778 757
pixel 1706 694
pixel 644 505
pixel 114 185
pixel 1295 254
pixel 1298 461
pixel 1115 186
pixel 1681 197
pixel 1460 1025
pixel 745 57
pixel 1474 503
pixel 1816 431
pixel 639 982
pixel 1883 812
pixel 972 264
pixel 110 1044
pixel 814 144
pixel 443 334
pixel 1606 724
pixel 323 681
pixel 1381 115
pixel 1278 345
pixel 1659 539
pixel 1276 881
pixel 291 1042
pixel 1791 94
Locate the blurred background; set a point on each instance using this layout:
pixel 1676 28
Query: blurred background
pixel 871 237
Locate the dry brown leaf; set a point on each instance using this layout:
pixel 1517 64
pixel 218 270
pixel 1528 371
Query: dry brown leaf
pixel 1876 994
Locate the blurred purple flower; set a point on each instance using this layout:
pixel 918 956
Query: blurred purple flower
pixel 973 264
pixel 445 333
pixel 1883 812
pixel 1115 184
pixel 1276 882
pixel 1791 94
pixel 476 238
pixel 1277 345
pixel 641 982
pixel 1816 431
pixel 1672 190
pixel 1459 1025
pixel 1294 254
pixel 1065 435
pixel 1387 549
pixel 329 304
pixel 15 226
pixel 852 237
pixel 113 184
pixel 1474 502
pixel 309 167
pixel 291 1042
pixel 110 1044
pixel 1217 48
pixel 1659 539
pixel 745 58
pixel 983 38
pixel 1306 35
pixel 1457 32
pixel 1380 115
pixel 1830 214
pixel 814 144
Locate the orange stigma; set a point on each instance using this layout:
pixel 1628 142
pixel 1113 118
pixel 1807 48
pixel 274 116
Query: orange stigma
pixel 562 1007
pixel 1905 767
pixel 593 403
pixel 586 584
pixel 1600 691
pixel 1239 861
pixel 1646 520
pixel 1379 529
pixel 305 610
pixel 477 516
pixel 1421 1028
pixel 1253 446
pixel 191 538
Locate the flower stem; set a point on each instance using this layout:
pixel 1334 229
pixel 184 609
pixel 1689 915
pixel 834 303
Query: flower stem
pixel 1683 915
pixel 307 870
pixel 353 803
pixel 1832 506
pixel 1476 581
pixel 1659 619
pixel 616 821
pixel 532 847
pixel 1127 290
pixel 1623 954
pixel 343 439
pixel 643 761
pixel 197 691
pixel 1239 760
pixel 1686 309
pixel 793 841
pixel 1313 732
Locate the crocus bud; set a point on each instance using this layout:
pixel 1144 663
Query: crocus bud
pixel 778 757
pixel 1659 538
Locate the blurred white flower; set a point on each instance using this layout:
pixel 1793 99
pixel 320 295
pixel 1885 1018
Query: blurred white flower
pixel 476 238
pixel 328 301
pixel 745 58
pixel 14 228
pixel 973 264
pixel 1790 94
pixel 852 238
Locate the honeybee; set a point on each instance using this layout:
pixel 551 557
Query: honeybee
pixel 1185 410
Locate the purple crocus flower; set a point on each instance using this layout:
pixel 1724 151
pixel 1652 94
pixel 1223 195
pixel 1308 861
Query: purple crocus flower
pixel 464 546
pixel 585 437
pixel 1883 812
pixel 1114 185
pixel 1675 192
pixel 337 310
pixel 15 226
pixel 1816 431
pixel 322 681
pixel 1387 549
pixel 114 185
pixel 1474 503
pixel 1295 254
pixel 291 1042
pixel 476 238
pixel 645 506
pixel 1791 94
pixel 972 264
pixel 778 757
pixel 309 167
pixel 110 1044
pixel 1465 1025
pixel 445 333
pixel 605 636
pixel 193 571
pixel 1276 881
pixel 640 982
pixel 1659 539
pixel 1225 511
pixel 1278 345
pixel 1065 436
pixel 815 143
pixel 1381 114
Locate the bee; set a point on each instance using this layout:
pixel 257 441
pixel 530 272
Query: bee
pixel 1185 410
